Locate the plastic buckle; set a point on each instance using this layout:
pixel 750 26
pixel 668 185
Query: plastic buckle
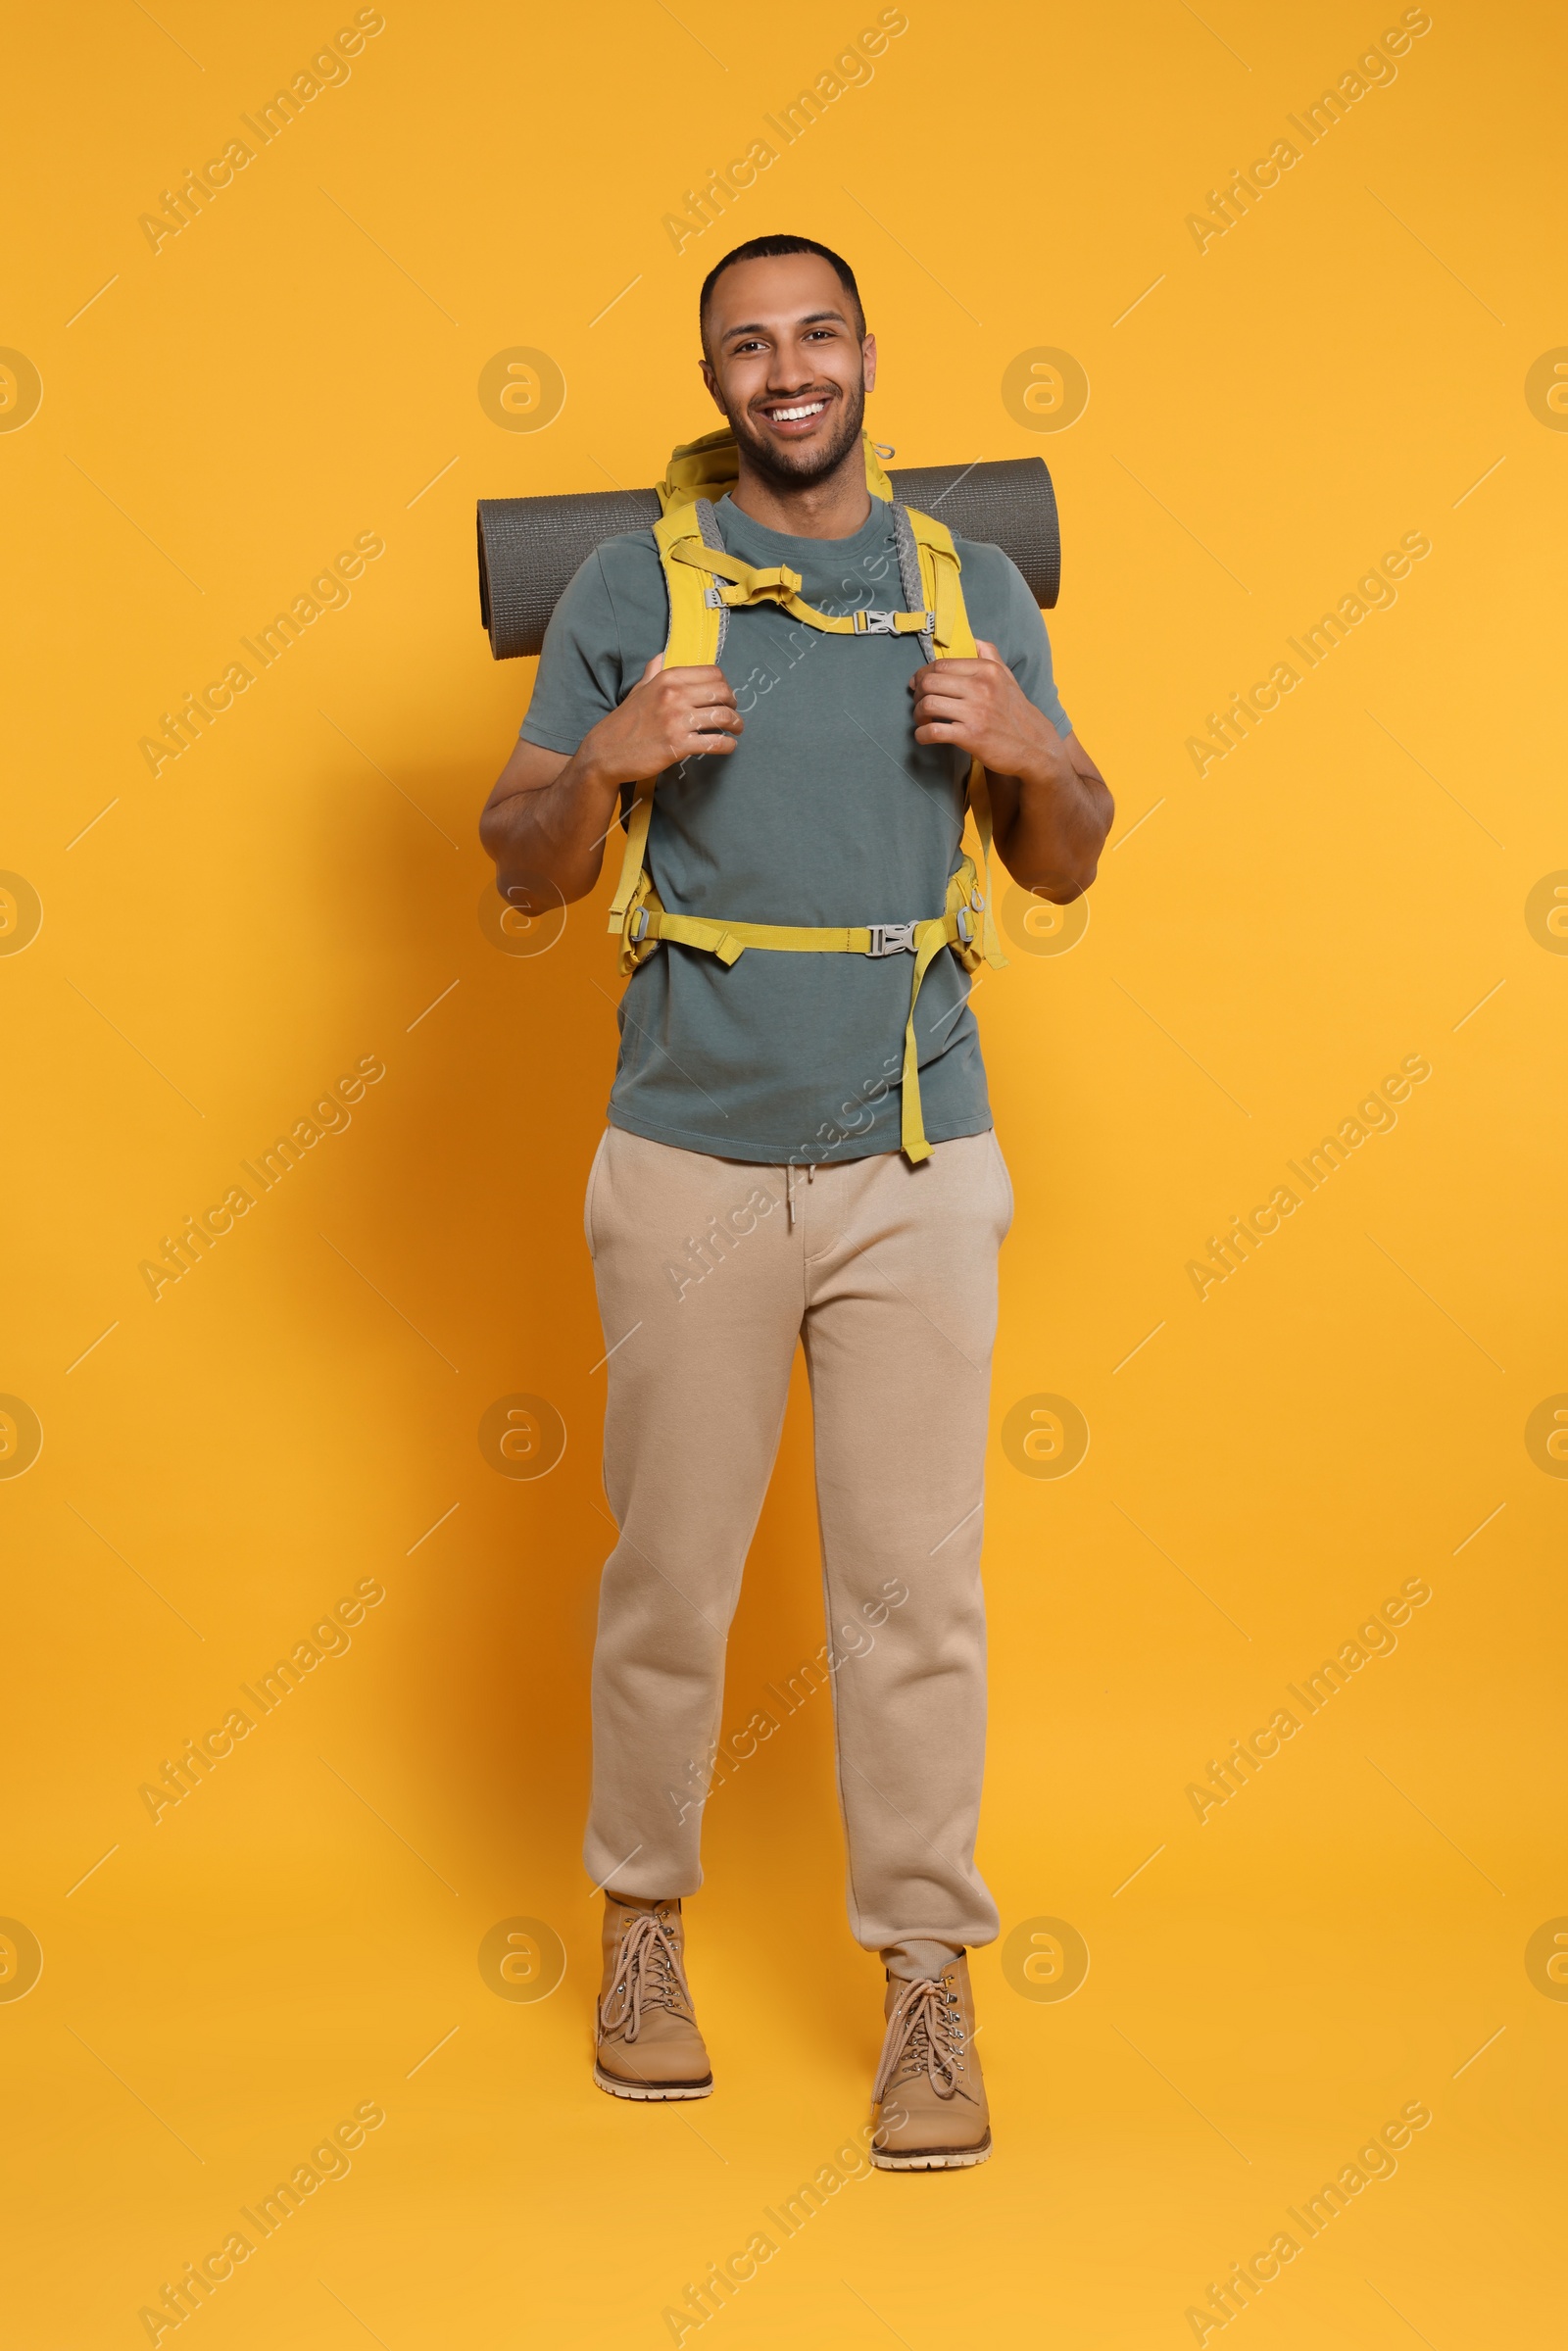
pixel 876 625
pixel 965 926
pixel 892 938
pixel 634 937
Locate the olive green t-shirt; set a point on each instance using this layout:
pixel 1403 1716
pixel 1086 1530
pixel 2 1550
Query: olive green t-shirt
pixel 827 811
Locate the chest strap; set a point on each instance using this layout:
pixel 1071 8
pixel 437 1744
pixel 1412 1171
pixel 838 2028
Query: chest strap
pixel 734 584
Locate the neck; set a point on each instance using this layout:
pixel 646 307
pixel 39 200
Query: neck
pixel 833 507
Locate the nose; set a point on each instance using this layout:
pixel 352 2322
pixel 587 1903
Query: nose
pixel 790 373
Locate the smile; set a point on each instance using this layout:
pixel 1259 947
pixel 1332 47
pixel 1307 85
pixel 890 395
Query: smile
pixel 799 414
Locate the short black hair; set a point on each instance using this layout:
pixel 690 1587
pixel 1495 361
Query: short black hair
pixel 768 249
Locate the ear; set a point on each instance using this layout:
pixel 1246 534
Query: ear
pixel 868 352
pixel 712 381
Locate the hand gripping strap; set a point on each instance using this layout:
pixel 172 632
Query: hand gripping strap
pixel 695 640
pixel 953 639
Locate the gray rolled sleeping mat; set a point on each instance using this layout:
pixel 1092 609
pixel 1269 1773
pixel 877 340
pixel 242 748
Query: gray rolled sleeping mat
pixel 530 547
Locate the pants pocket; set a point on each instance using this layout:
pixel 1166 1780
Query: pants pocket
pixel 588 1195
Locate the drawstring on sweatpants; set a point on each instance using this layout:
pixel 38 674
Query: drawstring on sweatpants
pixel 789 1192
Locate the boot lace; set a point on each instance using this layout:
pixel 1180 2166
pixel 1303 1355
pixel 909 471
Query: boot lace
pixel 925 2035
pixel 648 1975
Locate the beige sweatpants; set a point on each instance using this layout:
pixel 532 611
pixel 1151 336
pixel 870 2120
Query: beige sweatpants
pixel 709 1271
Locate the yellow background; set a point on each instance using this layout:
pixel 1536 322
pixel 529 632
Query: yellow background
pixel 295 367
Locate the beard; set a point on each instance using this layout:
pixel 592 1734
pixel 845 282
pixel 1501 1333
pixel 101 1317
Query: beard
pixel 790 468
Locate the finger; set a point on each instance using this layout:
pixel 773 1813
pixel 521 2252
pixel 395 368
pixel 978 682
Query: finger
pixel 955 670
pixel 725 721
pixel 652 668
pixel 939 732
pixel 986 650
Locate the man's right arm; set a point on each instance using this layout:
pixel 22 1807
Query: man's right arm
pixel 549 815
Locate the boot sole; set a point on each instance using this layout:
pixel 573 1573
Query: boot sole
pixel 931 2159
pixel 652 2091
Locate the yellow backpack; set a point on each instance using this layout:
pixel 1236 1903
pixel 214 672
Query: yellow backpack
pixel 705 584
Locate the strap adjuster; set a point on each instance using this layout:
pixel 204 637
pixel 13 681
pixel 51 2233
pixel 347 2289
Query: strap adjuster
pixel 884 624
pixel 637 929
pixel 892 938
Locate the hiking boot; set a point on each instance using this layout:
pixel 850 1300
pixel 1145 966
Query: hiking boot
pixel 648 2045
pixel 932 2107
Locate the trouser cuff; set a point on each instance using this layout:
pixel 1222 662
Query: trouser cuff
pixel 916 1959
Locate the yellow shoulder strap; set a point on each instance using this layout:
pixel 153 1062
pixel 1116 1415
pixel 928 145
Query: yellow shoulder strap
pixel 691 644
pixel 953 639
pixel 693 639
pixel 940 576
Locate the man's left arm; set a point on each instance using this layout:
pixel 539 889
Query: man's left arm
pixel 1049 805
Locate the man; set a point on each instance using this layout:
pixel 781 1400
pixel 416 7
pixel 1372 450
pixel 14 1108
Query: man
pixel 751 1191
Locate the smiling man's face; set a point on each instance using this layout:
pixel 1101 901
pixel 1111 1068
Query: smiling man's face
pixel 788 365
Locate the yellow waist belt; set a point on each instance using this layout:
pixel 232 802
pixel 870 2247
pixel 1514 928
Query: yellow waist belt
pixel 705 584
pixel 647 922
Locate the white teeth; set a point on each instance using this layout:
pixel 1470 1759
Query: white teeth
pixel 794 415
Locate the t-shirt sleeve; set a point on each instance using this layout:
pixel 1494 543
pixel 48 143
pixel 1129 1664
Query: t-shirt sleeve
pixel 1001 610
pixel 580 676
